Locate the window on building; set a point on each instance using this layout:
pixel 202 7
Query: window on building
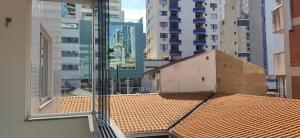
pixel 214 38
pixel 69 40
pixel 163 2
pixel 214 16
pixel 163 13
pixel 213 6
pixel 163 24
pixel 214 26
pixel 163 35
pixel 248 36
pixel 164 47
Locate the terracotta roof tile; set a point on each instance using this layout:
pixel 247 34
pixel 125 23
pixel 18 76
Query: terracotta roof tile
pixel 242 116
pixel 152 112
pixel 75 104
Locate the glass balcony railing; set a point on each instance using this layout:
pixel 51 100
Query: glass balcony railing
pixel 199 0
pixel 175 42
pixel 175 53
pixel 200 42
pixel 200 31
pixel 199 9
pixel 199 21
pixel 175 30
pixel 175 7
pixel 175 19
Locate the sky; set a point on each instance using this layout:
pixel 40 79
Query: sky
pixel 134 10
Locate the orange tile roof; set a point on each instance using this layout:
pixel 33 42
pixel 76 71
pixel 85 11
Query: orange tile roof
pixel 76 104
pixel 152 112
pixel 242 116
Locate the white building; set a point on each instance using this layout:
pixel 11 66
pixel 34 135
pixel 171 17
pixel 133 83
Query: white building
pixel 177 29
pixel 275 42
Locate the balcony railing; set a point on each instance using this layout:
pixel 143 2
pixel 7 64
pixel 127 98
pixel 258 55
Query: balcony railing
pixel 175 42
pixel 278 23
pixel 175 19
pixel 200 9
pixel 175 30
pixel 175 7
pixel 199 20
pixel 200 42
pixel 199 0
pixel 200 31
pixel 175 53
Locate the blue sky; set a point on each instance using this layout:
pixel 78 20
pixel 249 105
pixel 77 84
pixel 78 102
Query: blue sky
pixel 134 9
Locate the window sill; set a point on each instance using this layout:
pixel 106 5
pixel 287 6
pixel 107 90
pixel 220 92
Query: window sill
pixel 57 116
pixel 46 103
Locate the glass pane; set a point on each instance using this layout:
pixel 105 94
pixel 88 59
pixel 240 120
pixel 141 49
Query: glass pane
pixel 61 57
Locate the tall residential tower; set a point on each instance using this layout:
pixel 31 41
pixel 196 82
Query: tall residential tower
pixel 177 29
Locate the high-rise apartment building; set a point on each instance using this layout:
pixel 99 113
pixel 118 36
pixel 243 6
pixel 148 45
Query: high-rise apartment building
pixel 243 31
pixel 286 21
pixel 177 29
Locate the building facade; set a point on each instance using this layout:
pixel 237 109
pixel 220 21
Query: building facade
pixel 275 43
pixel 243 32
pixel 286 21
pixel 179 29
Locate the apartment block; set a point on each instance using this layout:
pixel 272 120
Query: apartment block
pixel 286 21
pixel 243 31
pixel 178 29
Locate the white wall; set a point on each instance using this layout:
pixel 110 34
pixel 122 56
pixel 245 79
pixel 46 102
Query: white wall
pixel 14 48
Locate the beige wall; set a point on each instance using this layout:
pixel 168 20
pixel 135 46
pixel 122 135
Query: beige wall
pixel 238 76
pixel 221 73
pixel 187 76
pixel 14 49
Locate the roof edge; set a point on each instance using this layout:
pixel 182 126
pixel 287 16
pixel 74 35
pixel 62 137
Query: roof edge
pixel 147 134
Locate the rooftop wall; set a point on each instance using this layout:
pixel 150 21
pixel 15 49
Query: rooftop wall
pixel 191 75
pixel 213 71
pixel 237 76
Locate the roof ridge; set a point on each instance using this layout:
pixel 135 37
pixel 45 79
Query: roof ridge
pixel 190 112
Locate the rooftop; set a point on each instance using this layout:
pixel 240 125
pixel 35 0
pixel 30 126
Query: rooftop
pixel 242 116
pixel 190 115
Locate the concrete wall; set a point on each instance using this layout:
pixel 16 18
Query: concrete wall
pixel 186 76
pixel 238 76
pixel 213 71
pixel 14 81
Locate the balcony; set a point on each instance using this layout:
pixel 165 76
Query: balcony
pixel 199 21
pixel 200 42
pixel 278 23
pixel 175 7
pixel 200 9
pixel 175 30
pixel 175 53
pixel 175 42
pixel 175 19
pixel 199 0
pixel 200 31
pixel 199 51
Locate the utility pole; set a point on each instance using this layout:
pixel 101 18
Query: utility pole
pixel 118 78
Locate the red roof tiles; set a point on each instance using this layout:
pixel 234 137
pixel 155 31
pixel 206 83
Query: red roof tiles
pixel 152 112
pixel 242 116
